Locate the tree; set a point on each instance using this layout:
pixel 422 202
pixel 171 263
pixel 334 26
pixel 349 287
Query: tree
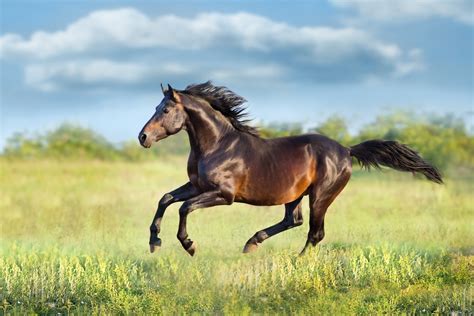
pixel 336 128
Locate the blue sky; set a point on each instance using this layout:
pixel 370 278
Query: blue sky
pixel 100 63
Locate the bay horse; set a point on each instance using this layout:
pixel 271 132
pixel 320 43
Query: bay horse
pixel 229 162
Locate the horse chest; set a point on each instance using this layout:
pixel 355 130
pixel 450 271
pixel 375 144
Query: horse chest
pixel 207 173
pixel 206 176
pixel 216 173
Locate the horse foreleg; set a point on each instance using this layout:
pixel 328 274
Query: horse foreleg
pixel 293 217
pixel 207 199
pixel 182 193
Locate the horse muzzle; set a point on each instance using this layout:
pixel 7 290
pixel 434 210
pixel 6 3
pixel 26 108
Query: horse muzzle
pixel 147 139
pixel 144 140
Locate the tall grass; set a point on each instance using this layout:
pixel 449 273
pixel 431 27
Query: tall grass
pixel 74 240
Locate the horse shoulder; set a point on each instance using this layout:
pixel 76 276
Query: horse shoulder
pixel 226 167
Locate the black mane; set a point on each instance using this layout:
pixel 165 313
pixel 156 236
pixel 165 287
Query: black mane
pixel 225 101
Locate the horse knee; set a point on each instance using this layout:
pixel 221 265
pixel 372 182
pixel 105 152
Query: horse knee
pixel 165 200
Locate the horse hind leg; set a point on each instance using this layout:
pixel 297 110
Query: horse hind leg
pixel 316 221
pixel 320 198
pixel 293 218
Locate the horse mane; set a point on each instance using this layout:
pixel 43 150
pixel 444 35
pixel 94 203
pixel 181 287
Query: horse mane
pixel 225 101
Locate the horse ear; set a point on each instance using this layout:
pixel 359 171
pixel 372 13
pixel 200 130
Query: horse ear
pixel 162 89
pixel 174 95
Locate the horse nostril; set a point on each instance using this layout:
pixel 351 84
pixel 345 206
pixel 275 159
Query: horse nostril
pixel 142 137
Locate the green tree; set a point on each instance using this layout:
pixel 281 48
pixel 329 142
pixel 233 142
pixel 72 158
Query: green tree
pixel 19 145
pixel 280 129
pixel 336 128
pixel 73 141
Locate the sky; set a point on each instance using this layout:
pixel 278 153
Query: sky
pixel 100 63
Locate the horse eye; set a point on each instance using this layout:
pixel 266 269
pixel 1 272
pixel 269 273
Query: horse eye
pixel 166 110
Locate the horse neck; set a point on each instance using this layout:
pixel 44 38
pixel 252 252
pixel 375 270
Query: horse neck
pixel 205 127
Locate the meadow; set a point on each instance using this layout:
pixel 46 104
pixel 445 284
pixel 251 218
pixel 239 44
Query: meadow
pixel 74 240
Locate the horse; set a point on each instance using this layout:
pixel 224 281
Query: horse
pixel 229 162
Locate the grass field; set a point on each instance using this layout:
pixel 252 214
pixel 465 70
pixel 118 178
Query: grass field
pixel 74 239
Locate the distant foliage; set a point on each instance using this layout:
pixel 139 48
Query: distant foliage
pixel 177 145
pixel 67 141
pixel 442 140
pixel 336 128
pixel 280 129
pixel 70 141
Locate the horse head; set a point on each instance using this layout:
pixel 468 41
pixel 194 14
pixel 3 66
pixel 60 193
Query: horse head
pixel 168 119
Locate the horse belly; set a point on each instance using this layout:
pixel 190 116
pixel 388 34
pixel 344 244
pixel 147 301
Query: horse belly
pixel 280 182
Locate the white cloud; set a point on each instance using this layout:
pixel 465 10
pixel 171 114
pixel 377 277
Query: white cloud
pixel 260 72
pixel 129 28
pixel 459 10
pixel 51 76
pixel 83 51
pixel 88 73
pixel 416 64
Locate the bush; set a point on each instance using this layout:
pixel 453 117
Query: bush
pixel 67 141
pixel 336 128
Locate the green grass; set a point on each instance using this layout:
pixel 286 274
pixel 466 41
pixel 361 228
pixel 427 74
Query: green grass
pixel 74 239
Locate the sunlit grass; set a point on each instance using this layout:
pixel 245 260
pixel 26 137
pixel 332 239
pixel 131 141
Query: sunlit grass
pixel 74 239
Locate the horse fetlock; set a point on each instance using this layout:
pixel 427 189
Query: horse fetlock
pixel 188 244
pixel 155 240
pixel 154 230
pixel 320 235
pixel 182 236
pixel 316 237
pixel 260 236
pixel 298 221
pixel 252 244
pixel 155 244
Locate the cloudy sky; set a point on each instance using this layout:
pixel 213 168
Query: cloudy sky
pixel 100 63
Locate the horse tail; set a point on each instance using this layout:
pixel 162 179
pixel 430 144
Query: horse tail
pixel 376 153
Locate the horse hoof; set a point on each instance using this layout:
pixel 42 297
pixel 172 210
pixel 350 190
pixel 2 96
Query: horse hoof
pixel 250 247
pixel 155 246
pixel 191 249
